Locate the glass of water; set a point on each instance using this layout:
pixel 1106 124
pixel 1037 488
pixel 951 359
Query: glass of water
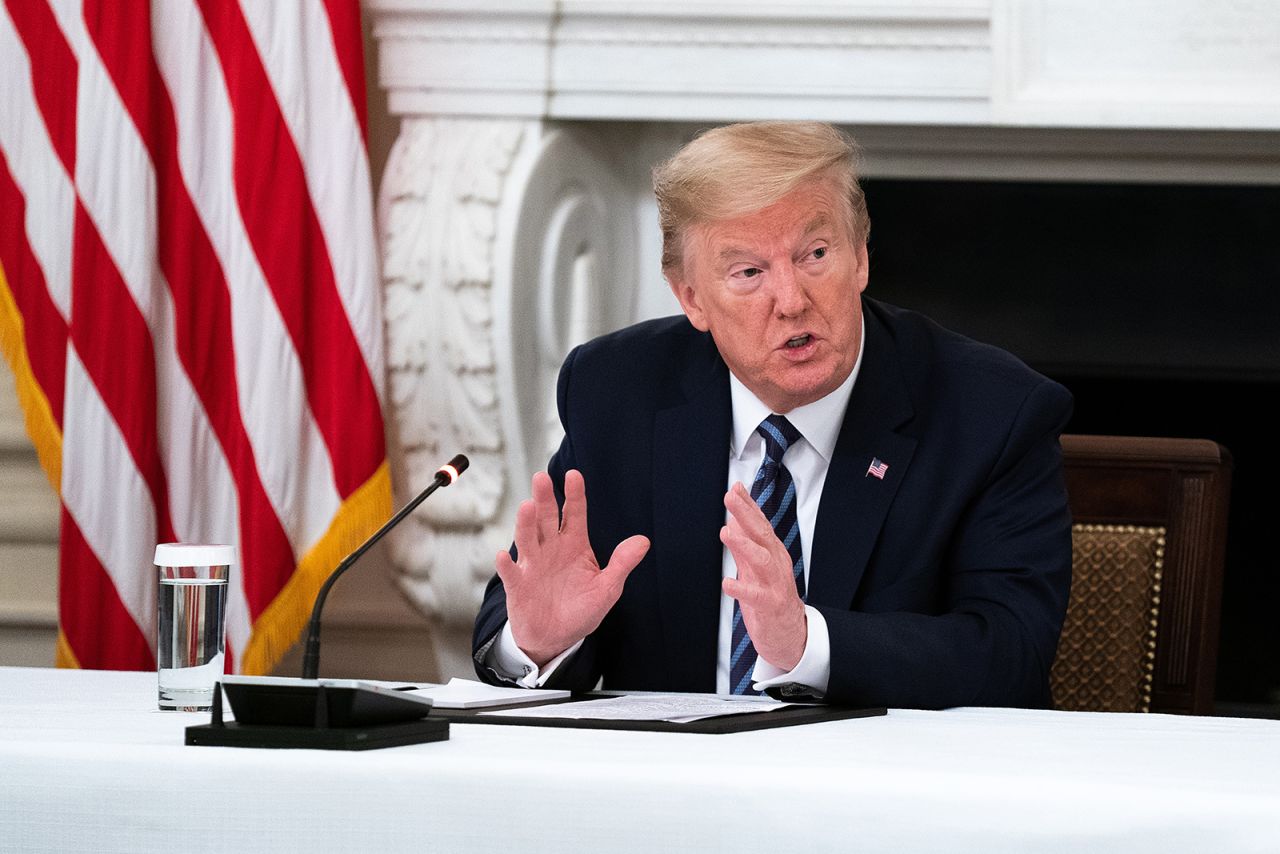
pixel 192 606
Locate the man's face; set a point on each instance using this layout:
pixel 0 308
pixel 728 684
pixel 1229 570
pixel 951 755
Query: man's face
pixel 779 291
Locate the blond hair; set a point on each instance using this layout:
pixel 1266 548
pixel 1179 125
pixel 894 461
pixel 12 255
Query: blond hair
pixel 731 171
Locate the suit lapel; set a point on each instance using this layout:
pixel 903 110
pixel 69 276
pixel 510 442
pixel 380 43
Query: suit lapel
pixel 691 441
pixel 854 502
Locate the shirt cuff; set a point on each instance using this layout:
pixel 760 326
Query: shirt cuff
pixel 508 660
pixel 813 671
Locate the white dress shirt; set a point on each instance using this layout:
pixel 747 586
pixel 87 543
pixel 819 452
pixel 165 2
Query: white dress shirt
pixel 807 459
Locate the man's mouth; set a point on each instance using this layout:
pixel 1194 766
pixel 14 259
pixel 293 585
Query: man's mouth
pixel 798 341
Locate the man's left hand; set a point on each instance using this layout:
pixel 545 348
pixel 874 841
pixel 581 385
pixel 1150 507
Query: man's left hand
pixel 765 587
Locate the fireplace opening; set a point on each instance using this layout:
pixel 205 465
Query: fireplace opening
pixel 1158 306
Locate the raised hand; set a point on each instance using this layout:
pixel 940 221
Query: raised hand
pixel 765 586
pixel 556 592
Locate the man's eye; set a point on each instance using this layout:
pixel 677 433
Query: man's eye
pixel 819 253
pixel 749 272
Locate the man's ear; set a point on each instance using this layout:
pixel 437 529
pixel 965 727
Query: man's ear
pixel 864 267
pixel 688 299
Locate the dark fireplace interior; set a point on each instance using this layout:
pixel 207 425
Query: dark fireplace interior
pixel 1158 306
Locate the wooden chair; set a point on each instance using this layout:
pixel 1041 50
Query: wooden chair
pixel 1148 546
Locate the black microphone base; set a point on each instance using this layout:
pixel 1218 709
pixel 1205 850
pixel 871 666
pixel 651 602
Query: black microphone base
pixel 369 737
pixel 316 715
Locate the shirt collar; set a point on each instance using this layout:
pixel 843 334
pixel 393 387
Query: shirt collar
pixel 818 422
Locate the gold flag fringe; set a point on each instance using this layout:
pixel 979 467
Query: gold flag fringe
pixel 66 656
pixel 42 429
pixel 38 415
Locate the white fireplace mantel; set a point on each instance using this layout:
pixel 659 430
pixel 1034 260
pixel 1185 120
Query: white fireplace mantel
pixel 515 211
pixel 1186 64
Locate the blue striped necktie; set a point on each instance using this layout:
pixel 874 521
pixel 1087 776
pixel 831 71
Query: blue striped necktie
pixel 775 493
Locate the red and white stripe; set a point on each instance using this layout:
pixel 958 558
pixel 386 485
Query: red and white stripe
pixel 192 266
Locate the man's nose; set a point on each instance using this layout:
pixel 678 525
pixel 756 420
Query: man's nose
pixel 789 298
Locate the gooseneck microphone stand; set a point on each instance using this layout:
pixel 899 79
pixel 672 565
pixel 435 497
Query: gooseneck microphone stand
pixel 445 476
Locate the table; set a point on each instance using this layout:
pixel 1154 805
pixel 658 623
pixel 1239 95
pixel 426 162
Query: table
pixel 88 763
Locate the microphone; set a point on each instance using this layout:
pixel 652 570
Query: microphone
pixel 445 476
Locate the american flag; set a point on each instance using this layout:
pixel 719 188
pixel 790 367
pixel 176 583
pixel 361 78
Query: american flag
pixel 189 302
pixel 877 469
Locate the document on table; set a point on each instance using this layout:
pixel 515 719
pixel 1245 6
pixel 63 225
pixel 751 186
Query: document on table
pixel 469 694
pixel 673 708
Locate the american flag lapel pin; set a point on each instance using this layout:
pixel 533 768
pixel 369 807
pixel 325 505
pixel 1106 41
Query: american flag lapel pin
pixel 877 468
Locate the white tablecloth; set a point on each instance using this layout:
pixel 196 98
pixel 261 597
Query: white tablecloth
pixel 87 763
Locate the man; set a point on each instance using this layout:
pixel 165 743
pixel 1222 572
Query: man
pixel 796 488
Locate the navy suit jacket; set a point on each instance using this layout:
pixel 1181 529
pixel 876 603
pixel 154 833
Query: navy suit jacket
pixel 943 584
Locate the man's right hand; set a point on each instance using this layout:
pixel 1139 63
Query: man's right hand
pixel 556 592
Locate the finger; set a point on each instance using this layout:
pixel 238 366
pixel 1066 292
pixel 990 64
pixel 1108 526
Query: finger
pixel 755 561
pixel 766 539
pixel 626 556
pixel 748 595
pixel 748 514
pixel 506 568
pixel 731 587
pixel 759 602
pixel 752 597
pixel 544 499
pixel 526 531
pixel 575 503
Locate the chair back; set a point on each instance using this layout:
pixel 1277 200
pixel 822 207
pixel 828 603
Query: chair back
pixel 1148 546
